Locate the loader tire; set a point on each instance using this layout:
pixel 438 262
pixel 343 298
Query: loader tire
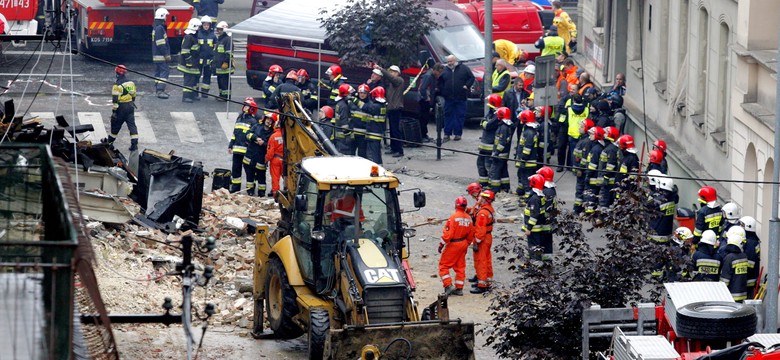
pixel 716 320
pixel 319 326
pixel 280 303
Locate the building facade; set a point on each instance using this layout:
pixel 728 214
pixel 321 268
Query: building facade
pixel 702 75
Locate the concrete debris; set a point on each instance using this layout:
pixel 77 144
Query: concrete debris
pixel 132 260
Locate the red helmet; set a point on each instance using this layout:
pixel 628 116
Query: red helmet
pixel 274 69
pixel 597 132
pixel 547 172
pixel 302 73
pixel 292 75
pixel 378 93
pixel 540 111
pixel 611 133
pixel 536 181
pixel 334 70
pixel 494 100
pixel 488 195
pixel 527 116
pixel 503 113
pixel 474 189
pixel 461 202
pixel 660 145
pixel 626 142
pixel 587 124
pixel 364 88
pixel 120 69
pixel 656 157
pixel 345 90
pixel 249 102
pixel 708 194
pixel 328 111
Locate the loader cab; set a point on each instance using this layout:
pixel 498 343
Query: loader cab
pixel 328 221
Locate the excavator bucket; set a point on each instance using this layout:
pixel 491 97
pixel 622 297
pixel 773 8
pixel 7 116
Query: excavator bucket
pixel 416 340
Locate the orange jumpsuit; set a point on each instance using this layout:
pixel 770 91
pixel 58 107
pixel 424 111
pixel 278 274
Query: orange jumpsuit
pixel 274 157
pixel 483 235
pixel 458 235
pixel 342 207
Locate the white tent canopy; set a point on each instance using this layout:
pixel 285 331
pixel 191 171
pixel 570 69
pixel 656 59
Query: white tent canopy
pixel 275 22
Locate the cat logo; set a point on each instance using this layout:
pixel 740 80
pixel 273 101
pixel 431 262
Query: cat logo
pixel 380 276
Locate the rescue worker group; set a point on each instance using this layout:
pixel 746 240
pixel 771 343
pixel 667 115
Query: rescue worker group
pixel 585 129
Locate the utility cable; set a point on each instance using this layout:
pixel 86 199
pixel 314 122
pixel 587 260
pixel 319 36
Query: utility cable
pixel 473 153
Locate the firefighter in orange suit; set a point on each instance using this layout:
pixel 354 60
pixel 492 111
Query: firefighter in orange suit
pixel 483 241
pixel 458 234
pixel 274 157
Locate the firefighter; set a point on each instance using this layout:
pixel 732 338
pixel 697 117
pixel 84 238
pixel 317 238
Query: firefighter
pixel 489 126
pixel 656 158
pixel 662 201
pixel 326 114
pixel 161 52
pixel 579 157
pixel 123 107
pixel 735 267
pixel 535 222
pixel 342 131
pixel 238 142
pixel 208 7
pixel 342 205
pixel 308 90
pixel 270 83
pixel 629 164
pixel 360 118
pixel 376 109
pixel 334 82
pixel 752 250
pixel 730 215
pixel 189 61
pixel 570 121
pixel 551 205
pixel 526 153
pixel 254 161
pixel 273 156
pixel 483 241
pixel 223 61
pixel 660 145
pixel 710 215
pixel 208 44
pixel 706 262
pixel 457 235
pixel 474 189
pixel 501 148
pixel 609 163
pixel 593 186
pixel 286 88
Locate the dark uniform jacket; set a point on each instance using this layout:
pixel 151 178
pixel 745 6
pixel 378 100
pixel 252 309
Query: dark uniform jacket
pixel 239 142
pixel 207 40
pixel 753 252
pixel 452 82
pixel 285 88
pixel 258 131
pixel 341 121
pixel 375 123
pixel 609 160
pixel 734 272
pixel 224 55
pixel 629 164
pixel 662 202
pixel 189 58
pixel 269 88
pixel 160 46
pixel 503 143
pixel 706 263
pixel 707 218
pixel 528 147
pixel 592 171
pixel 489 127
pixel 208 7
pixel 534 215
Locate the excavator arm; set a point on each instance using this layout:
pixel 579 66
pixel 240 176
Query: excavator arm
pixel 302 138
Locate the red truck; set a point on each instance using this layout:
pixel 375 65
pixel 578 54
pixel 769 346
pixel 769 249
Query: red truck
pixel 101 27
pixel 520 22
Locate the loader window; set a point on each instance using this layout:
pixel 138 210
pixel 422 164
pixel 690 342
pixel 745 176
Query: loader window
pixel 303 225
pixel 380 208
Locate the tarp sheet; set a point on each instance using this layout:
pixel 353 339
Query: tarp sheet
pixel 275 22
pixel 169 187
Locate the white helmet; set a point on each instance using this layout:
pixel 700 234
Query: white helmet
pixel 161 14
pixel 664 182
pixel 731 212
pixel 749 223
pixel 735 236
pixel 193 26
pixel 205 19
pixel 708 237
pixel 681 235
pixel 652 176
pixel 222 25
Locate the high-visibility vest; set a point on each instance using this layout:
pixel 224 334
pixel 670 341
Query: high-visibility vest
pixel 497 78
pixel 574 122
pixel 552 45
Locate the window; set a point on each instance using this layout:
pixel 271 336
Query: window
pixel 600 13
pixel 682 49
pixel 702 56
pixel 303 224
pixel 724 39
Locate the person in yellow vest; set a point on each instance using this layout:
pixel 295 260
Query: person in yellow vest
pixel 567 29
pixel 552 43
pixel 509 51
pixel 501 78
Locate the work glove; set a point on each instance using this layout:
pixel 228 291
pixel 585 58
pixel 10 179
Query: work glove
pixel 167 58
pixel 441 247
pixel 224 66
pixel 474 247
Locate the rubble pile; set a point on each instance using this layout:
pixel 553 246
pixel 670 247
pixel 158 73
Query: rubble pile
pixel 133 259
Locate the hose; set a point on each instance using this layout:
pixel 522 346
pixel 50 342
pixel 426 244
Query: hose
pixel 408 344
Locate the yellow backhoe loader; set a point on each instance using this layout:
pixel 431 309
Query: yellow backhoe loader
pixel 335 267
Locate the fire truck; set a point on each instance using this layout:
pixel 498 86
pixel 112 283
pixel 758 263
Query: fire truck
pixel 97 27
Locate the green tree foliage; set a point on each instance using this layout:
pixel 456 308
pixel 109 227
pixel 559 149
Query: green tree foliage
pixel 379 31
pixel 539 316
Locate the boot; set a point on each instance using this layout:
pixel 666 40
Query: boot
pixel 449 290
pixel 250 192
pixel 162 94
pixel 185 97
pixel 473 279
pixel 110 139
pixel 479 290
pixel 457 292
pixel 133 145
